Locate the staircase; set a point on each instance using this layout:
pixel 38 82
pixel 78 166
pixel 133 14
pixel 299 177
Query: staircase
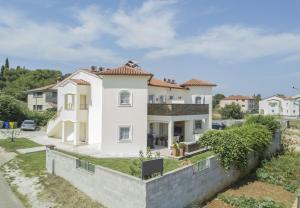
pixel 53 124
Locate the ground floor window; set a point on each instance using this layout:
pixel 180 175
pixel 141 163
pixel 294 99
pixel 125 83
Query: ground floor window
pixel 38 107
pixel 197 126
pixel 124 133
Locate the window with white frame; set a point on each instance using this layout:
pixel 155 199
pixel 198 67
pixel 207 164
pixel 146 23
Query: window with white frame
pixel 162 99
pixel 198 100
pixel 124 133
pixel 38 94
pixel 125 98
pixel 197 126
pixel 151 99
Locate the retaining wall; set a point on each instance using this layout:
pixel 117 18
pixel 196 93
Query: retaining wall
pixel 178 188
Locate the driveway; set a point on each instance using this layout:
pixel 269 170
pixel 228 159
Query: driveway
pixel 7 197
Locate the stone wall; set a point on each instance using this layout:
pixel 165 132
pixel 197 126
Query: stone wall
pixel 178 188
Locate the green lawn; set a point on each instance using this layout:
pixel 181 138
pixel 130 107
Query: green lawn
pixel 19 143
pixel 295 124
pixel 123 164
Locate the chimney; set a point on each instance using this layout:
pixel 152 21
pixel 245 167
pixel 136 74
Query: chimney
pixel 93 68
pixel 173 81
pixel 101 68
pixel 165 79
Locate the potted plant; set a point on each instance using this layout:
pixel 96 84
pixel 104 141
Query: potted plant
pixel 182 147
pixel 174 149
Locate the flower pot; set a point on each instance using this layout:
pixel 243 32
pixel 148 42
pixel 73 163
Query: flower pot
pixel 174 152
pixel 182 152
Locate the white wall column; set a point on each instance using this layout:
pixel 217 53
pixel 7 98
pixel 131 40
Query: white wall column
pixel 76 132
pixel 63 133
pixel 170 133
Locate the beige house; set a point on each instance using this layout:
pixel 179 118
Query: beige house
pixel 42 98
pixel 247 103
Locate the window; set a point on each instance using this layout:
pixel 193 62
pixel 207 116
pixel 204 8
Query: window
pixel 197 126
pixel 38 107
pixel 83 104
pixel 124 98
pixel 162 99
pixel 37 94
pixel 171 97
pixel 69 102
pixel 179 97
pixel 151 98
pixel 198 100
pixel 243 105
pixel 124 133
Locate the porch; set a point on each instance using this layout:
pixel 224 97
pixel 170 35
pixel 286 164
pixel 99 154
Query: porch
pixel 74 132
pixel 163 131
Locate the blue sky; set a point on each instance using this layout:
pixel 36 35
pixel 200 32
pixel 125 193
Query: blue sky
pixel 245 47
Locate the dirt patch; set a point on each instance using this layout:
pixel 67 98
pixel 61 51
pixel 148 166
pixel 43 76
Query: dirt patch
pixel 258 190
pixel 216 203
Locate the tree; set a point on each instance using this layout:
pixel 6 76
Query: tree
pixel 6 63
pixel 217 98
pixel 232 111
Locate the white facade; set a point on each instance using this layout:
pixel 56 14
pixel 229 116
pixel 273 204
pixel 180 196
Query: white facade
pixel 111 111
pixel 283 106
pixel 41 99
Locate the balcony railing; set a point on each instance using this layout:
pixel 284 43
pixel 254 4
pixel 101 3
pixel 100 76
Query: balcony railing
pixel 177 109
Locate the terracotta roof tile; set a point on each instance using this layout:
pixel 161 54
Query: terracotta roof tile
pixel 80 81
pixel 123 70
pixel 161 83
pixel 197 82
pixel 45 88
pixel 239 97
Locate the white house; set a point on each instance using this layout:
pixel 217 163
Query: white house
pixel 119 109
pixel 247 103
pixel 42 98
pixel 280 105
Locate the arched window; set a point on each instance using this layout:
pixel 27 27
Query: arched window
pixel 198 100
pixel 125 97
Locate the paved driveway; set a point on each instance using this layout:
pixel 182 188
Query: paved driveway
pixel 7 197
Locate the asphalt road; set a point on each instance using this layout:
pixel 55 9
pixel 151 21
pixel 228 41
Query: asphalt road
pixel 7 197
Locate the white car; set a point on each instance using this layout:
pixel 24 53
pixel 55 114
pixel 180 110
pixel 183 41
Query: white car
pixel 28 125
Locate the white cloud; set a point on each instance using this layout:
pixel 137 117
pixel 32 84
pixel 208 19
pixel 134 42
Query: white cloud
pixel 150 26
pixel 233 43
pixel 26 38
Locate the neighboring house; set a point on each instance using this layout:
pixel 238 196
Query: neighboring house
pixel 42 98
pixel 280 105
pixel 119 109
pixel 247 103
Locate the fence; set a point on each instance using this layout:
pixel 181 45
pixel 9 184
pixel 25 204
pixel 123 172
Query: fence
pixel 175 189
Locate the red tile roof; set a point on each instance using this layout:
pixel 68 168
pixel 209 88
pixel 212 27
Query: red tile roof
pixel 123 70
pixel 239 97
pixel 80 81
pixel 197 82
pixel 161 83
pixel 45 88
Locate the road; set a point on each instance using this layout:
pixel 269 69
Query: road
pixel 7 197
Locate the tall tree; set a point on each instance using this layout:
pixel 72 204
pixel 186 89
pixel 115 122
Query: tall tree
pixel 6 63
pixel 217 98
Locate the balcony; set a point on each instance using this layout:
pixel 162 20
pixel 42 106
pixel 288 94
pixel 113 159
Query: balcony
pixel 177 109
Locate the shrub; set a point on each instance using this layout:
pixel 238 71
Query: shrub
pixel 233 145
pixel 249 202
pixel 41 117
pixel 269 121
pixel 232 111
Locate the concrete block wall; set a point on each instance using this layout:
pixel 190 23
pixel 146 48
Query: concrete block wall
pixel 110 188
pixel 175 189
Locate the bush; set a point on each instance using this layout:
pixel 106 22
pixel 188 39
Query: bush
pixel 12 109
pixel 249 202
pixel 234 144
pixel 231 111
pixel 269 121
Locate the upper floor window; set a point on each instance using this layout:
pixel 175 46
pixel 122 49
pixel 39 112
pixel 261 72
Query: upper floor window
pixel 171 97
pixel 69 102
pixel 83 103
pixel 151 99
pixel 198 100
pixel 125 98
pixel 162 99
pixel 37 94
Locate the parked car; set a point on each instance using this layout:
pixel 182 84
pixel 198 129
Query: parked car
pixel 28 125
pixel 218 126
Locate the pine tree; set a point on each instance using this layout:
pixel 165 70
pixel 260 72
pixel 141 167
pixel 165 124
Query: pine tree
pixel 6 63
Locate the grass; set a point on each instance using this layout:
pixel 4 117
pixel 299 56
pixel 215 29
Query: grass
pixel 283 171
pixel 123 164
pixel 18 143
pixel 295 124
pixel 56 189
